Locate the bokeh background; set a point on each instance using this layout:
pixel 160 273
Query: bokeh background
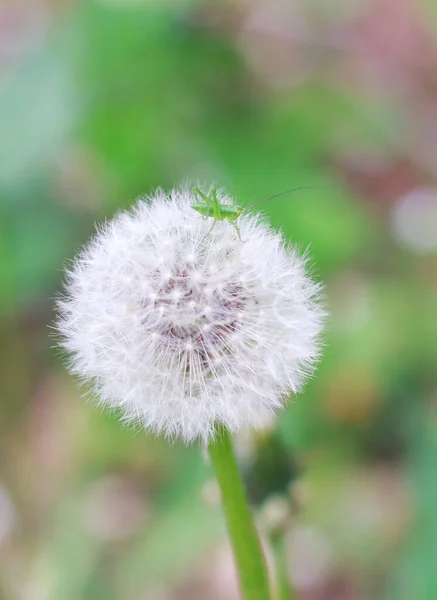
pixel 101 101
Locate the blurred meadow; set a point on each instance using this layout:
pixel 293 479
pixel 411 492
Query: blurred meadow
pixel 102 101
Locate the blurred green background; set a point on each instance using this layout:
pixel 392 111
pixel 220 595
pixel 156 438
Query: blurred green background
pixel 102 101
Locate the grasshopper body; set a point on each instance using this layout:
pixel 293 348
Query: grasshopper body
pixel 210 207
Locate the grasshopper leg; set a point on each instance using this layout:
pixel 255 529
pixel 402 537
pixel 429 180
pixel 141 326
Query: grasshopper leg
pixel 212 226
pixel 236 229
pixel 203 196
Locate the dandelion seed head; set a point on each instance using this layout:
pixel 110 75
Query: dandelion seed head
pixel 184 328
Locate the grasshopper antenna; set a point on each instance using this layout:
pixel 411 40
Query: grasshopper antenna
pixel 303 187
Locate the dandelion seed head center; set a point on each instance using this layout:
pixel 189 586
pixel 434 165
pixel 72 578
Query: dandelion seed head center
pixel 196 314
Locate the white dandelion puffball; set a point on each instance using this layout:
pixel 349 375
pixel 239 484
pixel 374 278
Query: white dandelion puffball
pixel 185 328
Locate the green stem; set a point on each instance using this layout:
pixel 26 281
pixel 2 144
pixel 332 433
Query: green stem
pixel 284 590
pixel 246 546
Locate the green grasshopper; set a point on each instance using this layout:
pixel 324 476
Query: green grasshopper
pixel 209 206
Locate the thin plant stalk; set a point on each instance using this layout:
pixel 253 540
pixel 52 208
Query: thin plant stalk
pixel 250 563
pixel 283 589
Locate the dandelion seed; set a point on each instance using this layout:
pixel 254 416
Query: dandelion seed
pixel 218 331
